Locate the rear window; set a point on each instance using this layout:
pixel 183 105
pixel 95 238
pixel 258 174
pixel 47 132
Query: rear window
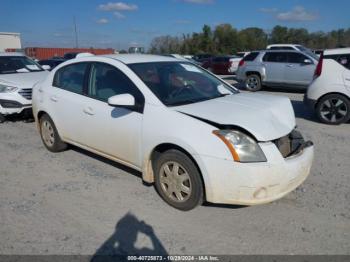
pixel 71 77
pixel 251 56
pixel 276 57
pixel 344 59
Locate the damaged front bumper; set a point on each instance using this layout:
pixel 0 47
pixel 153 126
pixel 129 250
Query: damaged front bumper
pixel 230 182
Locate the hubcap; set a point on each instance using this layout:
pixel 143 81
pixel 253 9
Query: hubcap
pixel 252 83
pixel 175 181
pixel 333 110
pixel 47 133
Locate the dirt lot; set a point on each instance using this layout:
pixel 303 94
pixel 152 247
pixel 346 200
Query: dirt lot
pixel 77 203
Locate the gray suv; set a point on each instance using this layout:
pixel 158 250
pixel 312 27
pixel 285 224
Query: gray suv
pixel 289 68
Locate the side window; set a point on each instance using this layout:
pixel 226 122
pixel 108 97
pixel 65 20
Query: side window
pixel 71 77
pixel 296 58
pixel 251 56
pixel 276 57
pixel 344 60
pixel 106 81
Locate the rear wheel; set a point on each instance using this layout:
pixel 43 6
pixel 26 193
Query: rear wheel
pixel 178 180
pixel 50 136
pixel 333 109
pixel 253 83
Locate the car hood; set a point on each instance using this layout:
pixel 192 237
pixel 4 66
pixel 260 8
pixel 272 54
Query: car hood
pixel 23 80
pixel 267 117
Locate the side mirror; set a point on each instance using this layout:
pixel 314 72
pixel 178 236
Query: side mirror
pixel 46 67
pixel 123 100
pixel 307 62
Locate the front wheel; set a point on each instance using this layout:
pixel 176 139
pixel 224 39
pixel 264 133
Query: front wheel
pixel 50 136
pixel 333 109
pixel 253 83
pixel 178 180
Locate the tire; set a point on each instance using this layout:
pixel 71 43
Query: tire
pixel 333 109
pixel 2 118
pixel 185 183
pixel 253 83
pixel 50 136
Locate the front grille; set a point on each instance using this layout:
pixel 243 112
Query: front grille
pixel 290 144
pixel 26 93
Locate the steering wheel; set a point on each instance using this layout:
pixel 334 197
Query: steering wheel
pixel 179 90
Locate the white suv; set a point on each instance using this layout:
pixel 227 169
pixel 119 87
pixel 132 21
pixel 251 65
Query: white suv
pixel 329 92
pixel 186 130
pixel 18 74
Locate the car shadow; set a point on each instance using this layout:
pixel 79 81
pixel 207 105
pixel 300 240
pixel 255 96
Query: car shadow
pixel 303 111
pixel 123 240
pixel 25 117
pixel 224 206
pixel 107 161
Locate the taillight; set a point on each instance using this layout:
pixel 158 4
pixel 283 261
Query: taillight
pixel 241 63
pixel 318 70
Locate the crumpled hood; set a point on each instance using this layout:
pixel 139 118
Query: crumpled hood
pixel 267 117
pixel 23 80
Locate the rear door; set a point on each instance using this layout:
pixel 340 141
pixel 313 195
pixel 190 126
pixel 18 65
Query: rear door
pixel 297 72
pixel 66 99
pixel 275 65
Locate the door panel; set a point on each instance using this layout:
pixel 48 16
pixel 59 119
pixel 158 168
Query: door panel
pixel 65 99
pixel 274 63
pixel 297 72
pixel 114 131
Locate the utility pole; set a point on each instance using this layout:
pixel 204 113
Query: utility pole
pixel 76 33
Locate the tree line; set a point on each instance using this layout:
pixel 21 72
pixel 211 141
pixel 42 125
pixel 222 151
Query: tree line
pixel 225 39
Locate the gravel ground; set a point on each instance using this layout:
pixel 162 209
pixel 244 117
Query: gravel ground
pixel 77 203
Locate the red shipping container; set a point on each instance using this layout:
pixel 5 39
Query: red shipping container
pixel 42 53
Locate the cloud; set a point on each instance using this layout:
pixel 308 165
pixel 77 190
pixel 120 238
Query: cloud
pixel 268 10
pixel 297 14
pixel 118 15
pixel 200 2
pixel 102 21
pixel 118 6
pixel 57 34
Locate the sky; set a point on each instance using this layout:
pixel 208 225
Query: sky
pixel 125 23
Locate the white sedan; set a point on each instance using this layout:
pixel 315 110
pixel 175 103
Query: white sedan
pixel 190 133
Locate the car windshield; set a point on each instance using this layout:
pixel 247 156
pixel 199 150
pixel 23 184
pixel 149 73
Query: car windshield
pixel 18 64
pixel 181 83
pixel 308 52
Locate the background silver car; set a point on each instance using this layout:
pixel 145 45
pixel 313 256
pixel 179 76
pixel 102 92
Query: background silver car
pixel 288 68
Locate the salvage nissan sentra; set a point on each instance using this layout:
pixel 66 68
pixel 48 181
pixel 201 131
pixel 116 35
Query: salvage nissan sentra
pixel 191 134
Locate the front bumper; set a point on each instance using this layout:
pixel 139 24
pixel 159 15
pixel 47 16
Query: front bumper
pixel 13 103
pixel 230 182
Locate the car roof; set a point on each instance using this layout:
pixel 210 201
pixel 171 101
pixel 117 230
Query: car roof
pixel 283 45
pixel 141 58
pixel 337 51
pixel 11 54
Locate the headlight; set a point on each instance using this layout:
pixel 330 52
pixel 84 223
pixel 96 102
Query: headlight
pixel 242 147
pixel 7 89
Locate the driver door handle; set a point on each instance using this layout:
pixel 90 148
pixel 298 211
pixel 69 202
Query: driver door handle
pixel 89 111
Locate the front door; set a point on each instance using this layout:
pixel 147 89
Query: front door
pixel 113 131
pixel 297 71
